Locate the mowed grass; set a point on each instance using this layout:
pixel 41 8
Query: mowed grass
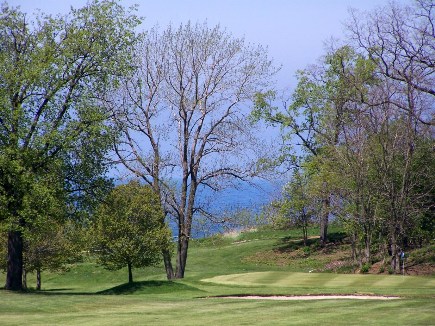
pixel 90 295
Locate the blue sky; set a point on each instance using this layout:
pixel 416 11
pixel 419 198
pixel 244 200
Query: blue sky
pixel 293 30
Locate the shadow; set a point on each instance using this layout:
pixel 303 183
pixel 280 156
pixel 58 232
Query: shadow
pixel 55 290
pixel 148 287
pixel 144 287
pixel 48 292
pixel 337 237
pixel 287 244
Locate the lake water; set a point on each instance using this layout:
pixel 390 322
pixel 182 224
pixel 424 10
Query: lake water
pixel 232 208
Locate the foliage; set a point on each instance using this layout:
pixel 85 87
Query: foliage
pixel 52 123
pixel 297 204
pixel 128 229
pixel 364 119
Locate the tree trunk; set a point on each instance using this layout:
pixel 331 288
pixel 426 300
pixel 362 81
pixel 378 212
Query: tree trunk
pixel 38 279
pixel 24 279
pixel 14 276
pixel 305 231
pixel 367 252
pixel 354 243
pixel 394 254
pixel 183 245
pixel 168 264
pixel 130 274
pixel 324 218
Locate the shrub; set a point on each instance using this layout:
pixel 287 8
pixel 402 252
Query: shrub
pixel 365 268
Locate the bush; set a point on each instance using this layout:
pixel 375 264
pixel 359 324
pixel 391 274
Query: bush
pixel 365 268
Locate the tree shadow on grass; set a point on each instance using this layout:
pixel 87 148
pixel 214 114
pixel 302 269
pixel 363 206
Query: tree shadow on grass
pixel 149 287
pixel 60 291
pixel 144 287
pixel 288 244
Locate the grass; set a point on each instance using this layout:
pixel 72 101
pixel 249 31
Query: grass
pixel 90 295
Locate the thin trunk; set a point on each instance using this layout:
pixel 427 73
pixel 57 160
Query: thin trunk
pixel 324 221
pixel 353 246
pixel 14 276
pixel 168 264
pixel 305 231
pixel 360 260
pixel 367 252
pixel 24 279
pixel 367 244
pixel 130 274
pixel 38 279
pixel 394 253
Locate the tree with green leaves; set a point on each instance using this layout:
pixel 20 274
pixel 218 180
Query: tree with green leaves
pixel 313 118
pixel 53 246
pixel 52 125
pixel 297 204
pixel 128 231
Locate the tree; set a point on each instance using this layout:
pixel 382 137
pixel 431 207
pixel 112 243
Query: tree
pixel 399 39
pixel 297 204
pixel 128 229
pixel 313 119
pixel 50 120
pixel 52 247
pixel 182 118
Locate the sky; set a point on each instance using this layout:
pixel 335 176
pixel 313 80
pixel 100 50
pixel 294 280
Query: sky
pixel 294 31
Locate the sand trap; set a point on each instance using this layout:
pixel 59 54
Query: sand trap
pixel 312 297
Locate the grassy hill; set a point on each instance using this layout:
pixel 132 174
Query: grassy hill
pixel 264 263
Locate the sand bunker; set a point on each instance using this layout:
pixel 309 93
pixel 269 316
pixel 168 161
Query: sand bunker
pixel 312 297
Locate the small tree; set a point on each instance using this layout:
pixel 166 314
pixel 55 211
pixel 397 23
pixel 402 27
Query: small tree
pixel 297 204
pixel 128 229
pixel 50 247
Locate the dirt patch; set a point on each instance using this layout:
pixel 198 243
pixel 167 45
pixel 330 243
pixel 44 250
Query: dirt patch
pixel 423 269
pixel 311 297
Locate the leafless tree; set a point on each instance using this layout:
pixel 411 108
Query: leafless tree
pixel 401 41
pixel 183 118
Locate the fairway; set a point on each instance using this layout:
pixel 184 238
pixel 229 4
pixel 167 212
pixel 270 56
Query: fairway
pixel 90 295
pixel 327 281
pixel 206 302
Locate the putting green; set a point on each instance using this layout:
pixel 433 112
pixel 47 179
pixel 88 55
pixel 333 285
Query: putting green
pixel 326 280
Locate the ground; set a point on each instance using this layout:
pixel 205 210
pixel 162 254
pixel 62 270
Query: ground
pixel 336 257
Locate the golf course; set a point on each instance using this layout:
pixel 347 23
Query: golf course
pixel 225 284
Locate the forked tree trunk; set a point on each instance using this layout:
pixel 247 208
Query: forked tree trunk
pixel 14 276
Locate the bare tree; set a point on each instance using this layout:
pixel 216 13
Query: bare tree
pixel 401 41
pixel 182 120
